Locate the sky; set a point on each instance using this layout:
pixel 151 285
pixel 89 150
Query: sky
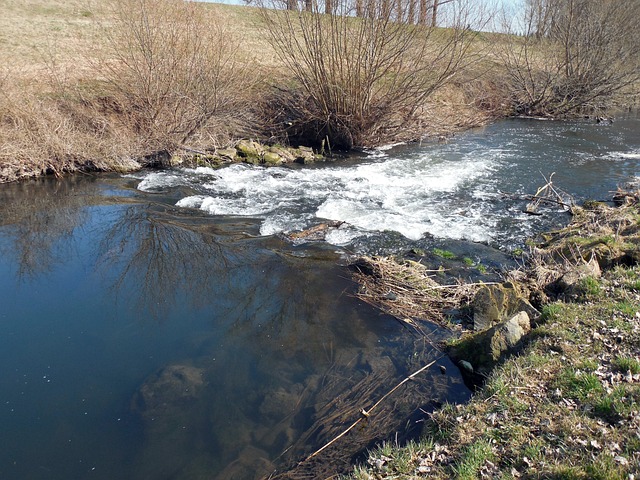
pixel 511 8
pixel 508 3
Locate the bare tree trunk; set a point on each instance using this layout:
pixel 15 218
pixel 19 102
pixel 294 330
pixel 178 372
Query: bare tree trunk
pixel 400 10
pixel 386 8
pixel 434 13
pixel 411 13
pixel 422 14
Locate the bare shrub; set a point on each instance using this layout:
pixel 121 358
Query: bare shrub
pixel 575 56
pixel 360 80
pixel 161 73
pixel 175 72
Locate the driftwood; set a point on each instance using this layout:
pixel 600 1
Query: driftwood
pixel 547 194
pixel 315 233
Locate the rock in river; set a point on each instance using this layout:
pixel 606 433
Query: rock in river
pixel 173 387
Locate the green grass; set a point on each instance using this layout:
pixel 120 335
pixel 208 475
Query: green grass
pixel 578 385
pixel 590 286
pixel 473 459
pixel 551 311
pixel 626 364
pixel 438 252
pixel 626 307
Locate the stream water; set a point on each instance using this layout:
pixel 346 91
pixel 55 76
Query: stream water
pixel 156 326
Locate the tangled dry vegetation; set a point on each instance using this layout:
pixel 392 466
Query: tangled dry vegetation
pixel 568 404
pixel 116 86
pixel 406 289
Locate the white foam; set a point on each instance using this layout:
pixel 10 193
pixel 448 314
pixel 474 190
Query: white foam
pixel 159 181
pixel 632 155
pixel 191 202
pixel 343 236
pixel 406 195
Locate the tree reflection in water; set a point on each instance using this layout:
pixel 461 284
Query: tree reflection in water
pixel 286 358
pixel 42 217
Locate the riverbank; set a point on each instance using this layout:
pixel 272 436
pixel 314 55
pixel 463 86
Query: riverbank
pixel 68 105
pixel 564 401
pixel 120 86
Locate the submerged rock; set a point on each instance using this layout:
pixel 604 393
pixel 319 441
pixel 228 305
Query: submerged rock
pixel 170 405
pixel 172 388
pixel 251 463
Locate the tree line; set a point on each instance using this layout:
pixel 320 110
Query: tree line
pixel 420 12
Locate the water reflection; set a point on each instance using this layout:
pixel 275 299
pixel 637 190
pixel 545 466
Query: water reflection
pixel 42 217
pixel 228 355
pixel 152 253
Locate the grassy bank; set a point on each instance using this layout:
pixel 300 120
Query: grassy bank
pixel 77 93
pixel 117 85
pixel 565 403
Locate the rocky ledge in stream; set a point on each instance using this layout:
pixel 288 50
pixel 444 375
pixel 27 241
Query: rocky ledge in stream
pixel 247 151
pixel 279 427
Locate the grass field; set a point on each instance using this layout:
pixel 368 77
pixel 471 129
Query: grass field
pixel 65 108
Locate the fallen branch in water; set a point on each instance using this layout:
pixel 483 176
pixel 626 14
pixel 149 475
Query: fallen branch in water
pixel 366 413
pixel 547 194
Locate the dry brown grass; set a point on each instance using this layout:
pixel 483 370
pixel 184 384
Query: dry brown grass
pixel 76 94
pixel 61 113
pixel 408 291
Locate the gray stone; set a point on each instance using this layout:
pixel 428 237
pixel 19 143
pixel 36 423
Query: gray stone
pixel 250 151
pixel 496 303
pixel 484 349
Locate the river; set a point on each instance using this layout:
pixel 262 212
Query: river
pixel 158 326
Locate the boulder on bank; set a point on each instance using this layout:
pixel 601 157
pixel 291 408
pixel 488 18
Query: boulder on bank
pixel 245 151
pixel 571 285
pixel 493 304
pixel 250 151
pixel 483 350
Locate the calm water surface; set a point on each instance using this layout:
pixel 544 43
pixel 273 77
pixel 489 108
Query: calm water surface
pixel 155 326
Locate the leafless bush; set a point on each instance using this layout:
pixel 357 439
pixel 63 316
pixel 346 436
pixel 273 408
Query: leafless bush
pixel 175 71
pixel 163 73
pixel 361 79
pixel 574 56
